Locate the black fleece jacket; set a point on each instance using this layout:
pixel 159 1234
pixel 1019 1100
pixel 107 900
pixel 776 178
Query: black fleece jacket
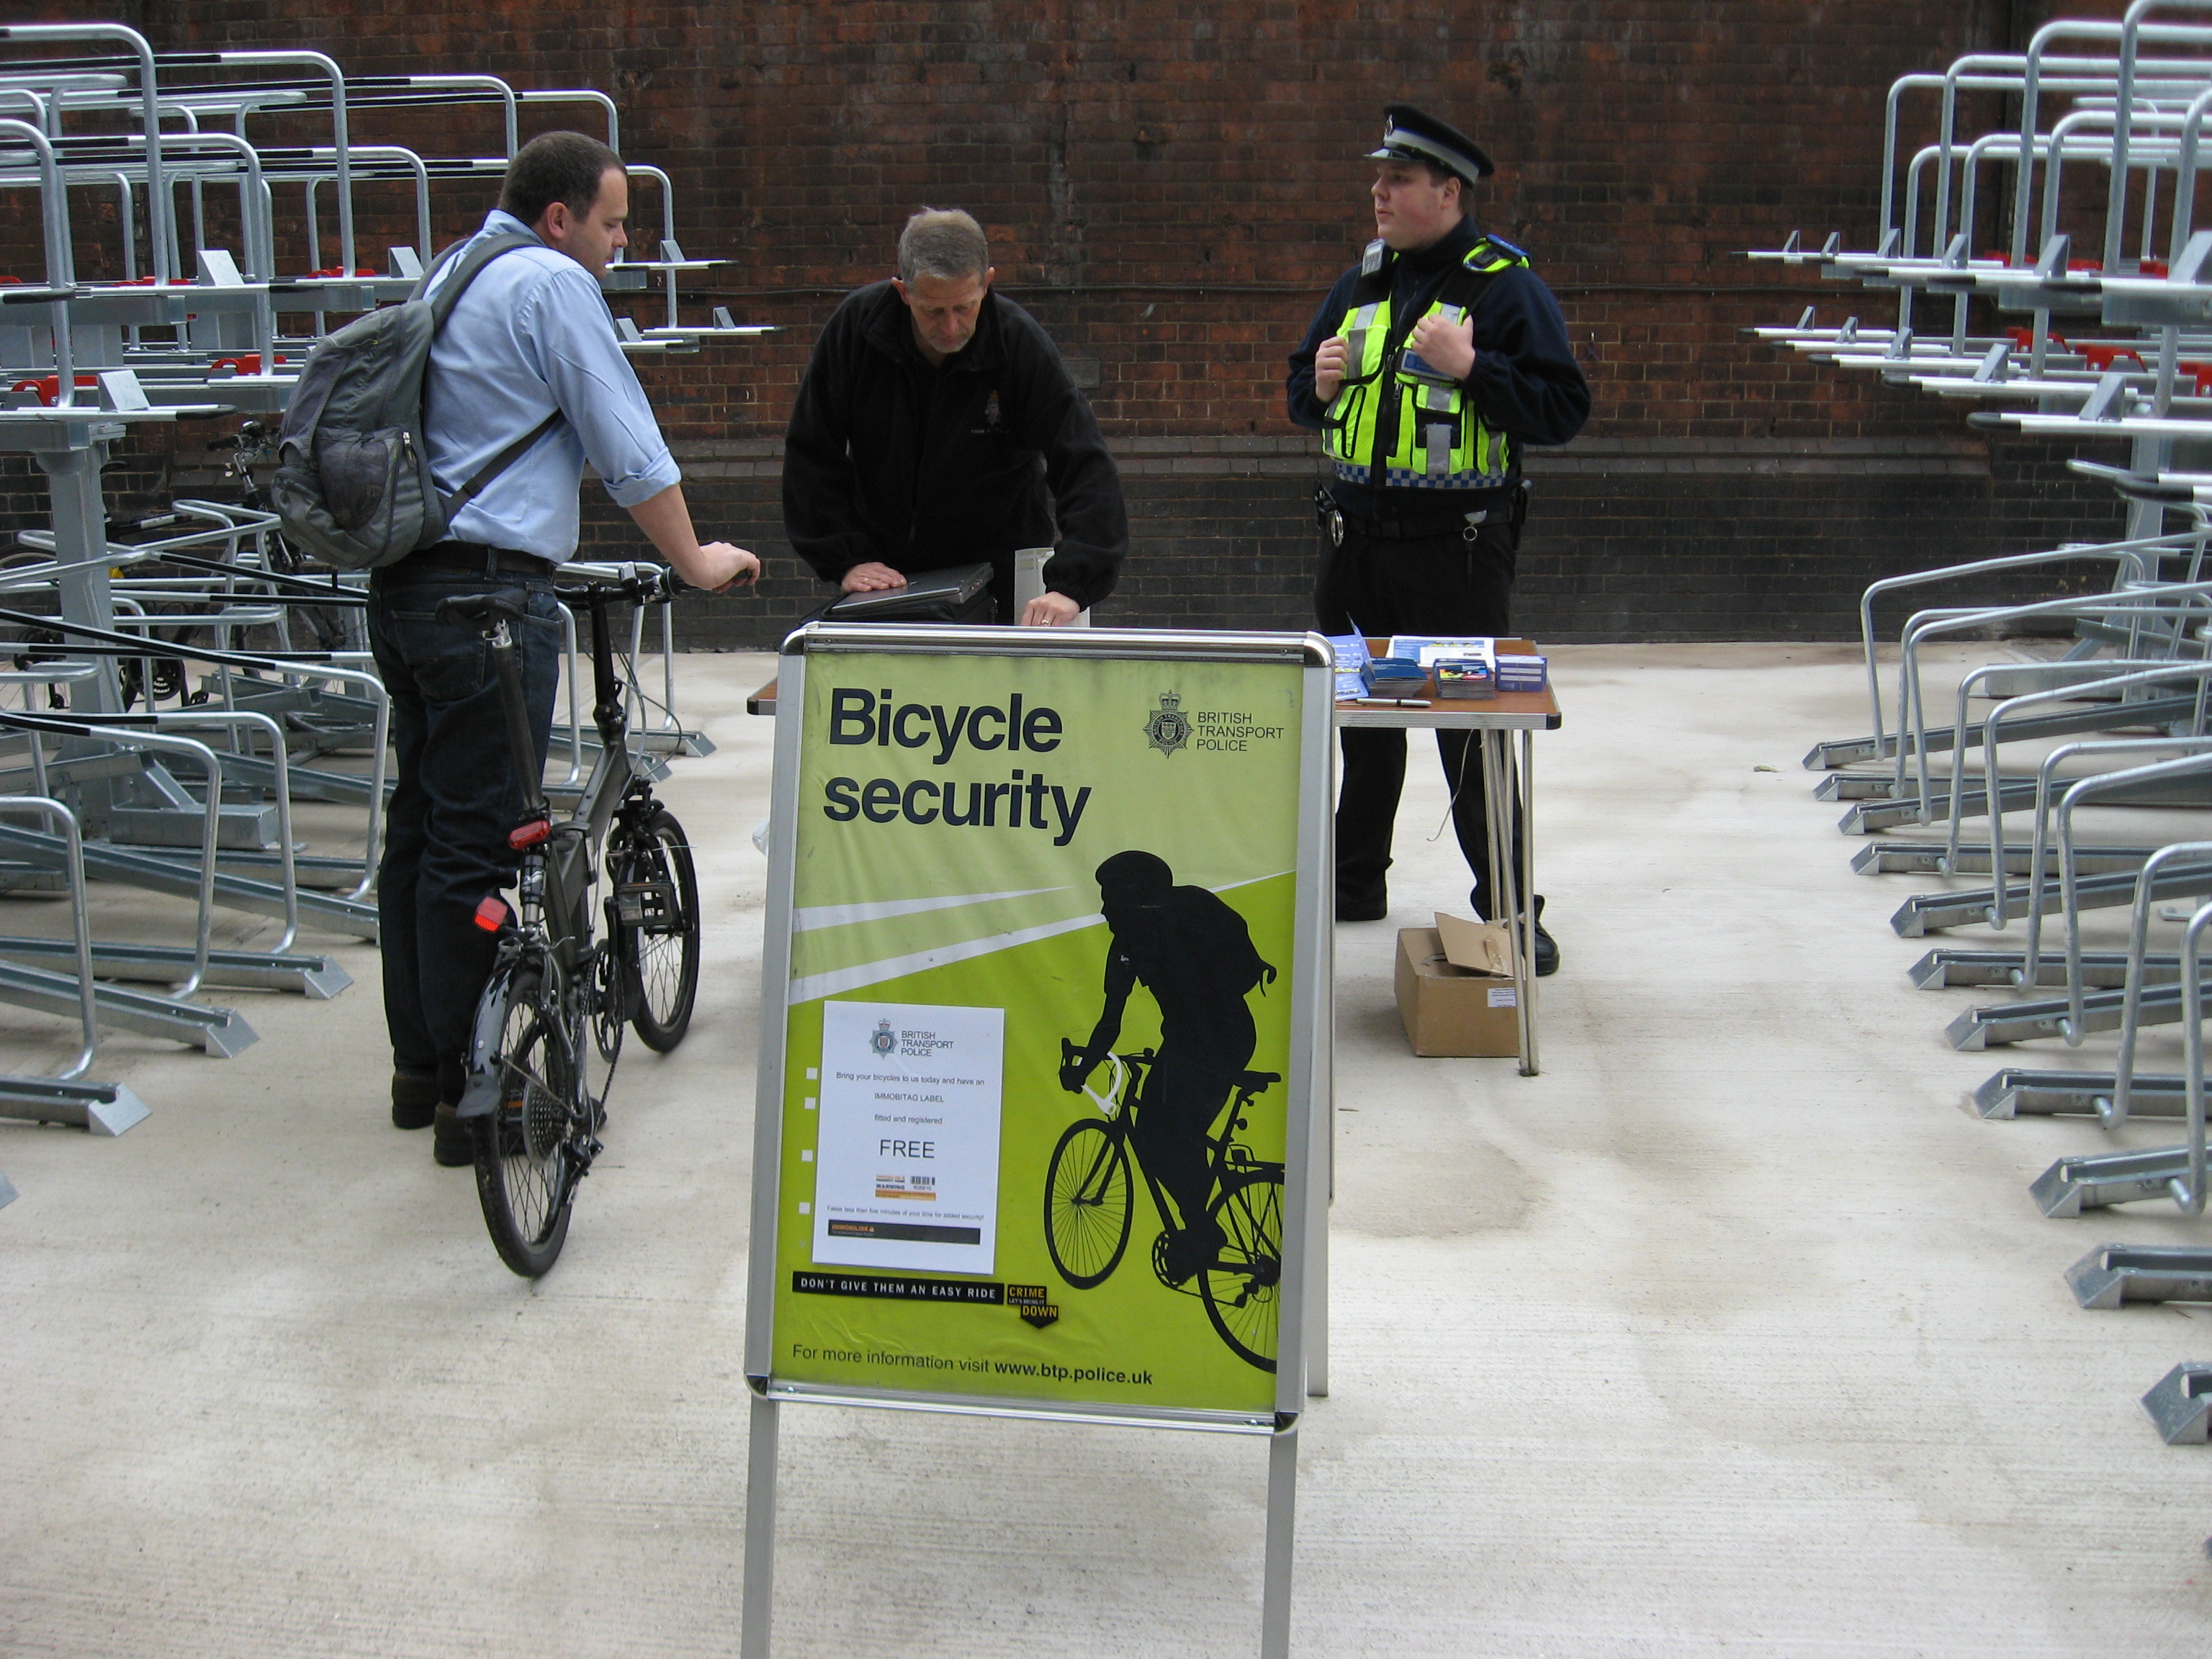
pixel 890 460
pixel 1525 379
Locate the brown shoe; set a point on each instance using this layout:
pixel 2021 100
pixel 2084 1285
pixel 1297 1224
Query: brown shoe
pixel 453 1143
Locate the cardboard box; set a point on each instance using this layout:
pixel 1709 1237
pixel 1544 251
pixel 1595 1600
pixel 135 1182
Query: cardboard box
pixel 1450 1010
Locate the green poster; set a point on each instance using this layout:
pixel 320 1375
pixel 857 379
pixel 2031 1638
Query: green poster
pixel 1037 1053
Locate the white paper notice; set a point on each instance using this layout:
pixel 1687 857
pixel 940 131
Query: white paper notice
pixel 906 1168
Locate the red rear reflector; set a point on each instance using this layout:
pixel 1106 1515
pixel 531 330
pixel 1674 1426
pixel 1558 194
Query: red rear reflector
pixel 491 913
pixel 529 835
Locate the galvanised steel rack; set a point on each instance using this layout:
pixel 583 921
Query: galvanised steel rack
pixel 265 147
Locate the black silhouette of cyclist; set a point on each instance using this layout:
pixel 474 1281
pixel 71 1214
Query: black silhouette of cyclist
pixel 1195 955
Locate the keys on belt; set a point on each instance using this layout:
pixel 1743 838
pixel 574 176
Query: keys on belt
pixel 1329 516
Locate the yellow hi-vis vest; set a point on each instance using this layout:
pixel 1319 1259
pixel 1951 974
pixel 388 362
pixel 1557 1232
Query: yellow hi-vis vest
pixel 1391 428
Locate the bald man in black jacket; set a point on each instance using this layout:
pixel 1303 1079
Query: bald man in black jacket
pixel 916 439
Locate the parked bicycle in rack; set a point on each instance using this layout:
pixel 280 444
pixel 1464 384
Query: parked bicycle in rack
pixel 548 1028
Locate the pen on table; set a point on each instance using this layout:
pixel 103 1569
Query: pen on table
pixel 1396 703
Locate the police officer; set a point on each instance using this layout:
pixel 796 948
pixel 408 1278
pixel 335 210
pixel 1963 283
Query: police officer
pixel 1432 360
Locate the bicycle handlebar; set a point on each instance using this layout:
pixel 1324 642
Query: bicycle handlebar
pixel 1250 1083
pixel 656 586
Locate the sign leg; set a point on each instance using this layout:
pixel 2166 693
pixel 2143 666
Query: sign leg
pixel 759 1615
pixel 1282 1535
pixel 1315 1338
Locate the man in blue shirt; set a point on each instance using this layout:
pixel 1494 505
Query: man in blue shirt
pixel 1430 364
pixel 532 336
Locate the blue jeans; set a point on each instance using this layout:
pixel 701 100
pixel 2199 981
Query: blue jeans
pixel 455 800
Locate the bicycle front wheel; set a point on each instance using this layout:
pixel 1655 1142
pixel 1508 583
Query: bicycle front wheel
pixel 1087 1204
pixel 657 912
pixel 525 1176
pixel 1241 1286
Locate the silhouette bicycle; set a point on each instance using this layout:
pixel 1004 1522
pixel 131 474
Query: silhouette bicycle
pixel 1089 1204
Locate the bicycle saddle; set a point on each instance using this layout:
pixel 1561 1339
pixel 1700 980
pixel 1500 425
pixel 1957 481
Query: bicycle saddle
pixel 1252 1082
pixel 480 608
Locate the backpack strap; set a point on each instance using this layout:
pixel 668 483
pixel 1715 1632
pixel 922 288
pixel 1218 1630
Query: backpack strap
pixel 498 463
pixel 480 253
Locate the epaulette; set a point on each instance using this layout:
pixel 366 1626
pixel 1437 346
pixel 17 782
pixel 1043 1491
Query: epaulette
pixel 1371 261
pixel 1478 256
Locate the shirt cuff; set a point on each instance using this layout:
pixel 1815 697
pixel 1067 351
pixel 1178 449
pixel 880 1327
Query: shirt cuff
pixel 644 486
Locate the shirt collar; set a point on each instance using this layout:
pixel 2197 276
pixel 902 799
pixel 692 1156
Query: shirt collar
pixel 505 224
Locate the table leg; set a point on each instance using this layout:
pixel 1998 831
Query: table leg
pixel 1525 809
pixel 1500 795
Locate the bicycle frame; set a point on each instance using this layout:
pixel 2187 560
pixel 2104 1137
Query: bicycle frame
pixel 1124 1095
pixel 559 863
pixel 553 922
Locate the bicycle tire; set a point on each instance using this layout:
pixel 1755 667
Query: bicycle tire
pixel 526 1178
pixel 655 881
pixel 1088 1200
pixel 1240 1287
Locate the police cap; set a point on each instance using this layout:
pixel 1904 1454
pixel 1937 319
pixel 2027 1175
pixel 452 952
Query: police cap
pixel 1410 135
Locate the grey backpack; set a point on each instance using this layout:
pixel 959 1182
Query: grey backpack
pixel 353 484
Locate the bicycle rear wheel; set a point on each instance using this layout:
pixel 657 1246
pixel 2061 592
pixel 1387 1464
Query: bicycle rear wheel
pixel 525 1176
pixel 1087 1203
pixel 1241 1286
pixel 656 900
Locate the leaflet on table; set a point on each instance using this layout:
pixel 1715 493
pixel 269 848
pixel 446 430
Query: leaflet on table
pixel 1425 648
pixel 907 1166
pixel 1352 657
pixel 1522 673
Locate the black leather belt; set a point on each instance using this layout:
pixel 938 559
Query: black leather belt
pixel 1332 518
pixel 1413 530
pixel 475 559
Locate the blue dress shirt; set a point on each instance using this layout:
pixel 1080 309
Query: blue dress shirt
pixel 534 333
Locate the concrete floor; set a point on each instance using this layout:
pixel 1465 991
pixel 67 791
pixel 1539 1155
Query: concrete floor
pixel 1732 1332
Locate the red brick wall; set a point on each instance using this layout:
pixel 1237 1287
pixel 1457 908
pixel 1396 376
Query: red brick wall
pixel 1170 186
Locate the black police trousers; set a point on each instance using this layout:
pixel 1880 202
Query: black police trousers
pixel 1439 584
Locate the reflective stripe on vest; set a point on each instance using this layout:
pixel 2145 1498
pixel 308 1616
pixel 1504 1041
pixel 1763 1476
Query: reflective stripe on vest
pixel 1437 439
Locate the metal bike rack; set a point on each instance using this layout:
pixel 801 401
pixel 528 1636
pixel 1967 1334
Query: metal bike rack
pixel 2113 342
pixel 68 1097
pixel 2180 1404
pixel 177 144
pixel 2073 1185
pixel 2113 1274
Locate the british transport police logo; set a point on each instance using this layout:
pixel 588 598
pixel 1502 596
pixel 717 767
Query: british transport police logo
pixel 1168 730
pixel 884 1039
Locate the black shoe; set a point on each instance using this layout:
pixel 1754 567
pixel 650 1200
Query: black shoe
pixel 453 1143
pixel 413 1099
pixel 1547 948
pixel 1362 903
